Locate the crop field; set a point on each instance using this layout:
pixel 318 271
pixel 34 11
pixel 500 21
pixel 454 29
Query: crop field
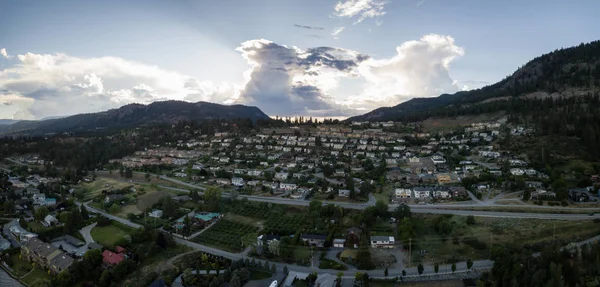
pixel 228 235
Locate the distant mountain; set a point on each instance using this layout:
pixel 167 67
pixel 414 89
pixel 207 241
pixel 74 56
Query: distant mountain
pixel 7 122
pixel 136 115
pixel 565 72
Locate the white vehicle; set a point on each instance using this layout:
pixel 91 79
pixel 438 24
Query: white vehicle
pixel 274 284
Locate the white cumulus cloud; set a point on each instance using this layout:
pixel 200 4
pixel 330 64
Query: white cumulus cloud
pixel 336 31
pixel 420 68
pixel 280 80
pixel 361 9
pixel 49 85
pixel 4 53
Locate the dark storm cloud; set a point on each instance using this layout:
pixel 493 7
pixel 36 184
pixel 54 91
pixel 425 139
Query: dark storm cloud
pixel 274 84
pixel 308 27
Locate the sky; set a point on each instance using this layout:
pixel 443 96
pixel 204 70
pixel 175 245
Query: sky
pixel 320 58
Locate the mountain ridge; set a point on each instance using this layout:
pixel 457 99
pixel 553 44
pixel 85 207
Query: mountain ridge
pixel 562 72
pixel 133 115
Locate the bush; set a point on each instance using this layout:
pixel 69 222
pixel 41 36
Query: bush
pixel 564 203
pixel 330 264
pixel 475 243
pixel 471 220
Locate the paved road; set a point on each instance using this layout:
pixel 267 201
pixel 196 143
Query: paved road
pixel 416 208
pixel 86 232
pixel 109 216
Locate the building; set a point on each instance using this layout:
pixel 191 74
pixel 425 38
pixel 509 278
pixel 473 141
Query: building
pixel 344 193
pixel 403 193
pixel 4 244
pixel 49 220
pixel 46 255
pixel 237 181
pixel 382 241
pixel 110 258
pixel 288 186
pixel 317 240
pixel 266 239
pixel 339 243
pixel 156 213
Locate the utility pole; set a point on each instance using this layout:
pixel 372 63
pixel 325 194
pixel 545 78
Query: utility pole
pixel 409 251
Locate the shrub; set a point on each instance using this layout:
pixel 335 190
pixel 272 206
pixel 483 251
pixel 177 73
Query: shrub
pixel 475 243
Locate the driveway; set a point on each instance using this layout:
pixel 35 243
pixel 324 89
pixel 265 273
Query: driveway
pixel 86 233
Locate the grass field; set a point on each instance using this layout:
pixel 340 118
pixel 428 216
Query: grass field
pixel 108 235
pixel 20 267
pixel 473 242
pixel 94 188
pixel 36 274
pixel 145 196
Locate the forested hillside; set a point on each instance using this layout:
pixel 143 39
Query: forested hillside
pixel 566 72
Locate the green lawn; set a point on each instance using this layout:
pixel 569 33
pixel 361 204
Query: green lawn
pixel 20 267
pixel 108 235
pixel 36 226
pixel 35 275
pixel 259 274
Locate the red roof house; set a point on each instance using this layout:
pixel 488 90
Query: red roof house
pixel 110 258
pixel 120 250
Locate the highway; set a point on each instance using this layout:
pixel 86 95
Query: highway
pixel 455 209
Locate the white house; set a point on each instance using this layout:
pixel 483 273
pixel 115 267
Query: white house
pixel 339 243
pixel 156 213
pixel 281 175
pixel 344 193
pixel 272 185
pixel 382 241
pixel 517 171
pixel 403 193
pixel 422 192
pixel 49 220
pixel 442 194
pixel 180 174
pixel 288 186
pixel 39 198
pixel 237 181
pixel 438 159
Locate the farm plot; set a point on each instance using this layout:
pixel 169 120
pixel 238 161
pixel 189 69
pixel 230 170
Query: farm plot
pixel 228 235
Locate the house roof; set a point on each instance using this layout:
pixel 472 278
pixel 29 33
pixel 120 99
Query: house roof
pixel 382 238
pixel 40 247
pixel 50 218
pixel 338 240
pixel 112 258
pixel 70 239
pixel 120 249
pixel 314 236
pixel 61 261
